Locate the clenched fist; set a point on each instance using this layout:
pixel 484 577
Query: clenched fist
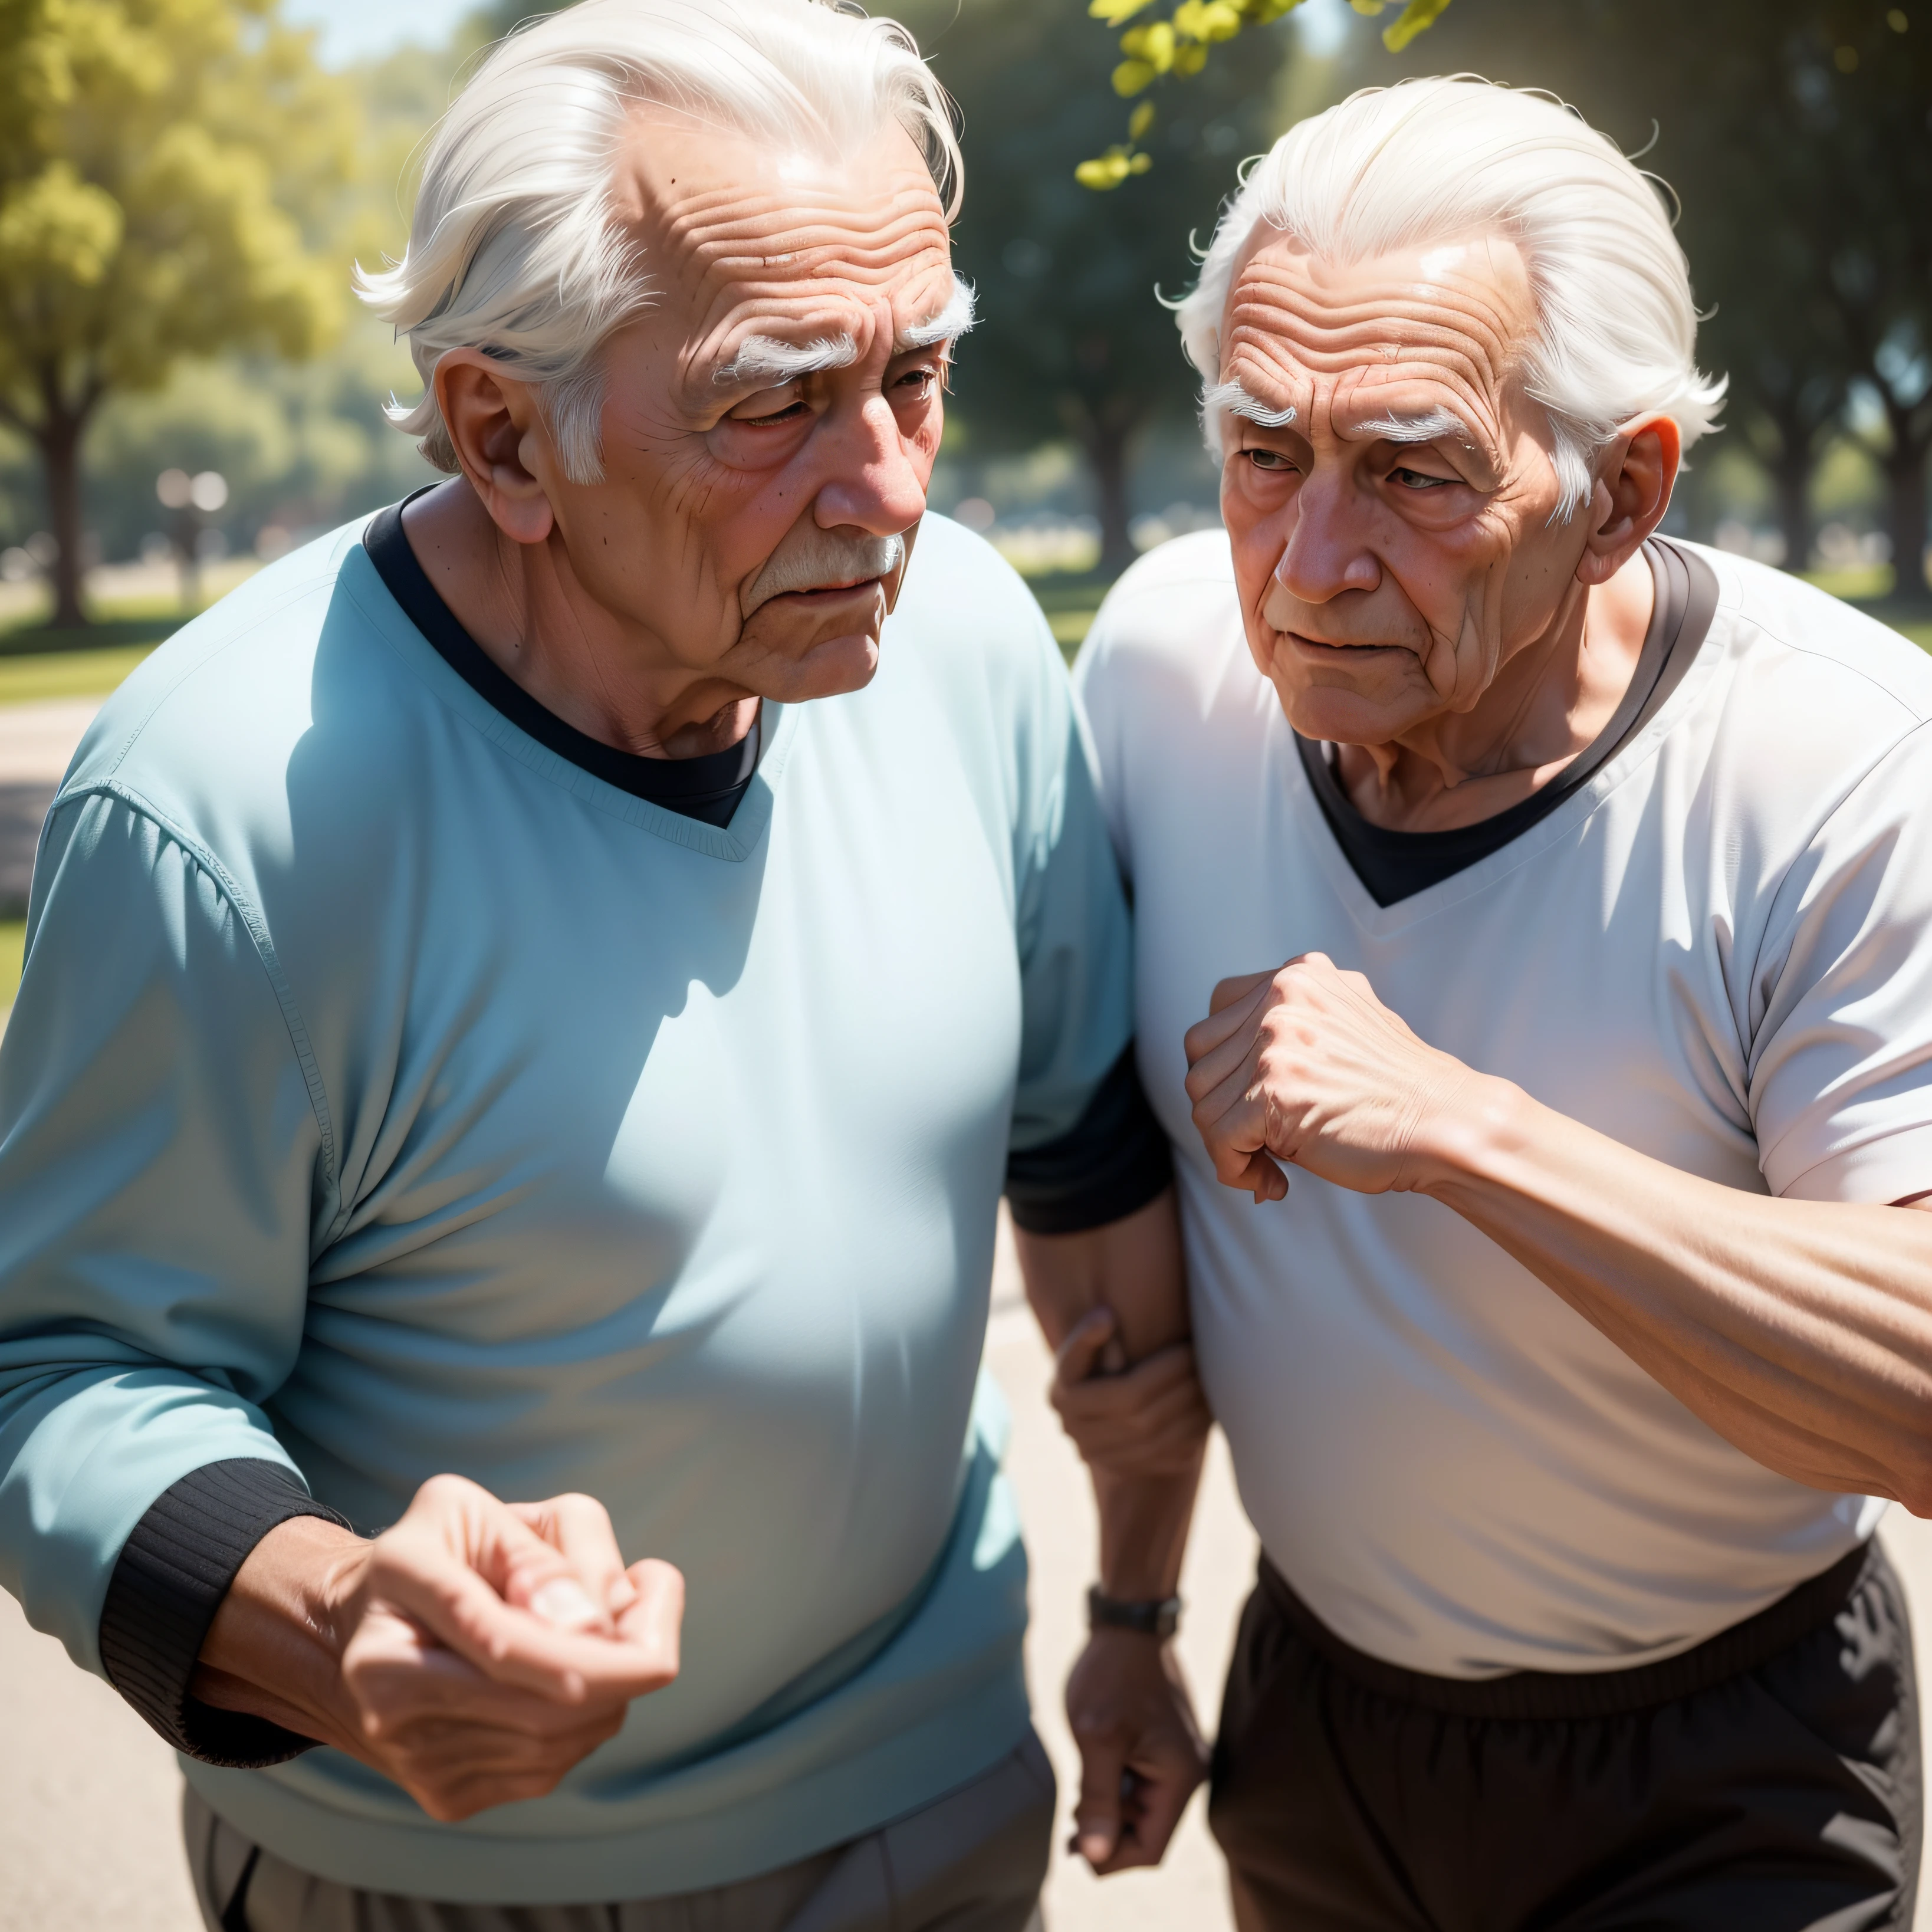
pixel 473 1653
pixel 1306 1067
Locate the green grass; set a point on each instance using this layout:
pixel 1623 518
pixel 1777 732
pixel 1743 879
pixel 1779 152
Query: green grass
pixel 41 640
pixel 1069 628
pixel 1070 600
pixel 13 946
pixel 1858 583
pixel 32 679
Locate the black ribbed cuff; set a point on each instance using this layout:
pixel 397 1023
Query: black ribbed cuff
pixel 1115 1160
pixel 173 1573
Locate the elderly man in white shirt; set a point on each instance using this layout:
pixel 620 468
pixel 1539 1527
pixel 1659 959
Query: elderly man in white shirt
pixel 1566 1383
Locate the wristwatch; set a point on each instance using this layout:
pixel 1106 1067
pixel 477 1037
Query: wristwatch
pixel 1159 1617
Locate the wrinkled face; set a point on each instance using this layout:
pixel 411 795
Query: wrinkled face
pixel 769 425
pixel 1392 541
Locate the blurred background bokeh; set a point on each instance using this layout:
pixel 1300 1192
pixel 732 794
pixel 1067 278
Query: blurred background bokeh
pixel 187 390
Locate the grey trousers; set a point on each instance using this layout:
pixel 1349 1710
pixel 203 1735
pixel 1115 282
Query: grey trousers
pixel 971 1861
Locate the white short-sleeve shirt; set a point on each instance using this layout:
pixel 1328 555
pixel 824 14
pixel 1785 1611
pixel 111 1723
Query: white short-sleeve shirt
pixel 1718 951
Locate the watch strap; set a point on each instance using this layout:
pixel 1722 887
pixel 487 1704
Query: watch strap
pixel 1151 1616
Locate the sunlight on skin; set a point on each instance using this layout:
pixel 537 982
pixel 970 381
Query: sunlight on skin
pixel 620 605
pixel 1413 601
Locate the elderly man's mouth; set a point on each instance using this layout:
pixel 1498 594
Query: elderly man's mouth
pixel 826 591
pixel 1320 647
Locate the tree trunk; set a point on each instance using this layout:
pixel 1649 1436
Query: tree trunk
pixel 1103 433
pixel 1106 447
pixel 1791 484
pixel 1905 476
pixel 59 439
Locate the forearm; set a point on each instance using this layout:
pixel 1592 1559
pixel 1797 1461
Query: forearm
pixel 1144 1525
pixel 1131 1267
pixel 1801 1331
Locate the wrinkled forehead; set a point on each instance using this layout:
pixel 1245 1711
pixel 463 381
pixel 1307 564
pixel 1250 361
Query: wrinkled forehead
pixel 744 238
pixel 1443 325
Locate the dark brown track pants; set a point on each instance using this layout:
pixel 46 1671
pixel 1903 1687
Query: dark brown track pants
pixel 1768 1781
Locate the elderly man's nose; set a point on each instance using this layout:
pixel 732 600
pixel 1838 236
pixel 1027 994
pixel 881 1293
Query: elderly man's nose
pixel 873 482
pixel 1327 551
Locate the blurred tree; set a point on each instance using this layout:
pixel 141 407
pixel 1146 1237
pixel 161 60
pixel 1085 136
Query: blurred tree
pixel 1860 82
pixel 1071 339
pixel 158 160
pixel 1177 45
pixel 1798 135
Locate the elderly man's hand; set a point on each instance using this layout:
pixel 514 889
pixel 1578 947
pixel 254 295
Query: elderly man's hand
pixel 473 1653
pixel 1141 1752
pixel 1150 1420
pixel 1307 1066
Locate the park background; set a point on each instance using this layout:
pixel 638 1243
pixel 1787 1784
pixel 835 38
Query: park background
pixel 187 390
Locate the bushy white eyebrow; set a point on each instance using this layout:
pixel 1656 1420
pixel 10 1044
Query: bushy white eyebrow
pixel 1231 399
pixel 1421 426
pixel 951 322
pixel 763 361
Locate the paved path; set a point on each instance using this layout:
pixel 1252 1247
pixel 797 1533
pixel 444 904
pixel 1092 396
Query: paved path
pixel 36 742
pixel 87 1793
pixel 1186 1893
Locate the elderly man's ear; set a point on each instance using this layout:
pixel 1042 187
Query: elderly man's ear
pixel 497 429
pixel 1633 482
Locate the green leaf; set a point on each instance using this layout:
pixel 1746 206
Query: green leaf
pixel 1107 170
pixel 1418 17
pixel 1153 43
pixel 1140 121
pixel 1207 19
pixel 1116 13
pixel 1131 77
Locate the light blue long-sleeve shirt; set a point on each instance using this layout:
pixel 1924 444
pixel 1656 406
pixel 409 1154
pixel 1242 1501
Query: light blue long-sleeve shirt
pixel 385 1095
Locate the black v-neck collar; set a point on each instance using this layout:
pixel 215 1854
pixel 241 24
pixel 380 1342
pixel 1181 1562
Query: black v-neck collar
pixel 1396 865
pixel 707 787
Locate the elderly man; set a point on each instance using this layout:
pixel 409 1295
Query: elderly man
pixel 1579 1320
pixel 538 996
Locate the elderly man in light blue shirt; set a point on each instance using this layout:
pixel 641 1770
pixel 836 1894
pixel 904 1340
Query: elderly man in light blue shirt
pixel 538 995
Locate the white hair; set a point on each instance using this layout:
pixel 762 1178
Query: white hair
pixel 1440 161
pixel 515 248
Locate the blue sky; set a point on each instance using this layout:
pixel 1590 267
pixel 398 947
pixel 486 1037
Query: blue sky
pixel 353 30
